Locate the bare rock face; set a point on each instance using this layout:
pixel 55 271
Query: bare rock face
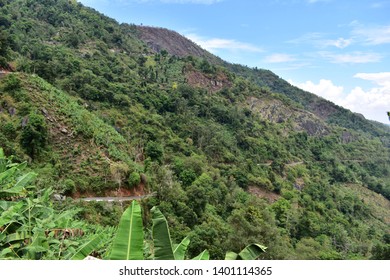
pixel 276 111
pixel 159 39
pixel 210 82
pixel 347 137
pixel 323 108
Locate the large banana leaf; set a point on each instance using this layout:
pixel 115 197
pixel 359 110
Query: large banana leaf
pixel 10 253
pixel 18 236
pixel 231 256
pixel 20 185
pixel 161 237
pixel 250 252
pixel 128 242
pixel 4 175
pixel 179 250
pixel 38 246
pixel 204 256
pixel 84 250
pixel 25 179
pixel 8 170
pixel 11 214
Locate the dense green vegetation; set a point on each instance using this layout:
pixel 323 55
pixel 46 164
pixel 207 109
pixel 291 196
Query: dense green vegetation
pixel 32 229
pixel 94 111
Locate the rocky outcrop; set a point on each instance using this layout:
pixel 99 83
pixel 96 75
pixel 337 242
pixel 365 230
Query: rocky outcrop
pixel 159 39
pixel 347 137
pixel 277 111
pixel 213 83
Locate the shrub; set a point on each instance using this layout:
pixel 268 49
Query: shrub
pixel 187 176
pixel 9 130
pixel 155 151
pixel 69 187
pixel 12 83
pixel 34 134
pixel 134 179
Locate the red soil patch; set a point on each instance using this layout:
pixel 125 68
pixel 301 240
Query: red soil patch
pixel 136 191
pixel 121 192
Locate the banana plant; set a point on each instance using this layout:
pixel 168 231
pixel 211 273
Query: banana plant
pixel 25 218
pixel 162 242
pixel 14 223
pixel 204 256
pixel 129 240
pixel 163 247
pixel 250 252
pixel 128 243
pixel 84 250
pixel 10 184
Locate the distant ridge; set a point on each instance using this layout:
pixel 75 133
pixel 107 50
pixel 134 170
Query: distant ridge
pixel 159 39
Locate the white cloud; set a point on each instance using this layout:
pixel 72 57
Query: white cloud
pixel 351 58
pixel 308 38
pixel 372 103
pixel 381 78
pixel 325 89
pixel 372 35
pixel 279 58
pixel 340 43
pixel 215 44
pixel 359 34
pixel 319 40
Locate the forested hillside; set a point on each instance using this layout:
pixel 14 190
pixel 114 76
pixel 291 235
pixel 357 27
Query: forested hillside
pixel 234 156
pixel 163 39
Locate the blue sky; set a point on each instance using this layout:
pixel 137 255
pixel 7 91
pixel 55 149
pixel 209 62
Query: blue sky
pixel 338 49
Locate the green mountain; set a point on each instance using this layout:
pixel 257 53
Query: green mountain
pixel 162 39
pixel 235 155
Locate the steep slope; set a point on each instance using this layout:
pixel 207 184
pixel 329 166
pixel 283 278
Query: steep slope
pixel 94 109
pixel 80 152
pixel 175 44
pixel 159 39
pixel 322 108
